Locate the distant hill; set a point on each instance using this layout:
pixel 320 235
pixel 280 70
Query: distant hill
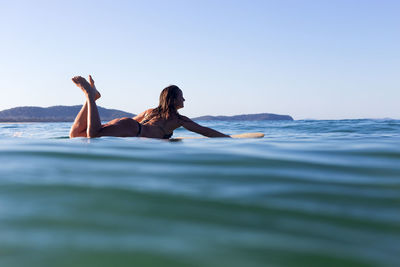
pixel 246 117
pixel 55 114
pixel 68 114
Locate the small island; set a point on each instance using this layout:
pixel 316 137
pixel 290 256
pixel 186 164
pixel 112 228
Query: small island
pixel 55 114
pixel 68 114
pixel 246 117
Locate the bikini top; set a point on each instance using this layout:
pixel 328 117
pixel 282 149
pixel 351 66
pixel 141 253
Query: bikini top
pixel 165 136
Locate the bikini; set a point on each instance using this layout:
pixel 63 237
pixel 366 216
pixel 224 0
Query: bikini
pixel 166 136
pixel 140 129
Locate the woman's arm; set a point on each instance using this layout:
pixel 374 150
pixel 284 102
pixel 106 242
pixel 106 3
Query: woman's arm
pixel 197 128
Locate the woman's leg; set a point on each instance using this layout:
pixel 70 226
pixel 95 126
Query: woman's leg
pixel 79 127
pixel 93 118
pixel 123 127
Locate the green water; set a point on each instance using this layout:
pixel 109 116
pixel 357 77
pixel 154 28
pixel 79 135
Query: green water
pixel 311 193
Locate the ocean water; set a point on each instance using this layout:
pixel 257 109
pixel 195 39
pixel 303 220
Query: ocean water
pixel 311 193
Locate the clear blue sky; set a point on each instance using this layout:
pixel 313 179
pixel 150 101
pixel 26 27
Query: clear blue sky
pixel 310 59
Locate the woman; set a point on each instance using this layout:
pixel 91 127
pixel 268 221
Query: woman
pixel 159 122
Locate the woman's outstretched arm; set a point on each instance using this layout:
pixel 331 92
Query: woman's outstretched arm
pixel 197 128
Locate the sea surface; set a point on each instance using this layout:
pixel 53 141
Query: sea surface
pixel 310 193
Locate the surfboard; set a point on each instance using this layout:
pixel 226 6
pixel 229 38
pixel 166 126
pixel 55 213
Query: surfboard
pixel 243 135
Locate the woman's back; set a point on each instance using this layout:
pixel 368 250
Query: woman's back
pixel 159 126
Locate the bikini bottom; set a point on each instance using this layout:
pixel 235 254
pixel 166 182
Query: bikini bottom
pixel 140 129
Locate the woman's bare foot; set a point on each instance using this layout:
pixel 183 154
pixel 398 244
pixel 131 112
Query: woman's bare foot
pixel 84 85
pixel 91 81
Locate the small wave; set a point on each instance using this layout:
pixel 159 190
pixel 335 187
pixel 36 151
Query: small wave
pixel 303 194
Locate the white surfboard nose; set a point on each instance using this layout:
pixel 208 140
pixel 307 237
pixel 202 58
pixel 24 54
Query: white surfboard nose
pixel 248 135
pixel 243 135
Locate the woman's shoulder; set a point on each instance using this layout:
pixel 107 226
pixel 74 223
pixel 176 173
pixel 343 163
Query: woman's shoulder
pixel 183 119
pixel 149 111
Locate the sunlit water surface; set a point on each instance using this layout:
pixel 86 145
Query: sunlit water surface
pixel 311 193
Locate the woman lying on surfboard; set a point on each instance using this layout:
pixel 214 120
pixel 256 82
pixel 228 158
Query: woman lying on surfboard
pixel 159 122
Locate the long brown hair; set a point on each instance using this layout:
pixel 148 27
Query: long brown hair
pixel 166 107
